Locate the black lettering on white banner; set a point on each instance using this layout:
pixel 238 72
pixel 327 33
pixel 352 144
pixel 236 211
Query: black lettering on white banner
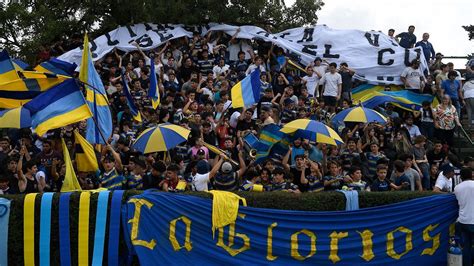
pixel 380 61
pixel 373 39
pixel 407 60
pixel 327 52
pixel 130 31
pixel 307 35
pixel 109 40
pixel 309 49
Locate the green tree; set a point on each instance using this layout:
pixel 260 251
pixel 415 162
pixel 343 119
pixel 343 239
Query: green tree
pixel 27 25
pixel 470 30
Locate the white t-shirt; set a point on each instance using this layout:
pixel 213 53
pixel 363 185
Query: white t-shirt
pixel 465 195
pixel 219 70
pixel 199 182
pixel 312 83
pixel 331 82
pixel 252 68
pixel 468 89
pixel 234 119
pixel 413 77
pixel 443 183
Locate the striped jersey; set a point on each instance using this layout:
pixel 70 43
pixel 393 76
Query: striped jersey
pixel 112 180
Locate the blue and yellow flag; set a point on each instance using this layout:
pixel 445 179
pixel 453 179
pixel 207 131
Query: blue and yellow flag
pixel 56 66
pixel 61 105
pixel 86 160
pixel 15 118
pixel 154 91
pixel 96 99
pixel 8 71
pixel 247 91
pixel 371 96
pixel 133 108
pixel 20 64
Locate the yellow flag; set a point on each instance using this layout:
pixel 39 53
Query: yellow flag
pixel 86 160
pixel 225 207
pixel 70 180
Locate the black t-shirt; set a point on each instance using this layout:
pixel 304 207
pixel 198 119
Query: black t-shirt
pixel 435 158
pixel 243 125
pixel 346 81
pixel 380 185
pixel 297 177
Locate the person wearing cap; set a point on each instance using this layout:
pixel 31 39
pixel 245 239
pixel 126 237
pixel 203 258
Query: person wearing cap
pixel 280 183
pixel 412 77
pixel 201 178
pixel 111 178
pixel 288 114
pixel 444 182
pixel 465 195
pixel 227 179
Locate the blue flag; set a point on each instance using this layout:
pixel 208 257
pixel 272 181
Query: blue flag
pixel 96 98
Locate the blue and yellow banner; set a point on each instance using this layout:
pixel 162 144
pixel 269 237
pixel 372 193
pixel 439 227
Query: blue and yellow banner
pixel 371 96
pixel 173 229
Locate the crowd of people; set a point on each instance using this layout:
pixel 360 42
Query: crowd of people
pixel 412 151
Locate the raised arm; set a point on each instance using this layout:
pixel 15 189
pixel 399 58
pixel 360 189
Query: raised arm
pixel 118 161
pixel 285 160
pixel 21 176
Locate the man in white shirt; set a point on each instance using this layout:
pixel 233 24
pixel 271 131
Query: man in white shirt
pixel 465 195
pixel 332 82
pixel 201 179
pixel 444 182
pixel 311 80
pixel 412 77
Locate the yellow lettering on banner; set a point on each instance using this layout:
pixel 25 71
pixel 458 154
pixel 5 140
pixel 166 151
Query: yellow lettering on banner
pixel 270 242
pixel 232 251
pixel 367 245
pixel 452 229
pixel 427 237
pixel 187 239
pixel 294 245
pixel 390 242
pixel 335 245
pixel 136 222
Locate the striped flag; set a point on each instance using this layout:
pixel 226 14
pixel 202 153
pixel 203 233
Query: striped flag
pixel 96 99
pixel 247 91
pixel 154 91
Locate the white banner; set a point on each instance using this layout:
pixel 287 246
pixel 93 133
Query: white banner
pixel 372 54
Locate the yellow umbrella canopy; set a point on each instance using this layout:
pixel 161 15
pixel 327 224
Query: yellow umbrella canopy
pixel 161 138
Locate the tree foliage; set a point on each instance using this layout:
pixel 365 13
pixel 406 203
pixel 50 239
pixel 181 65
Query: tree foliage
pixel 470 30
pixel 26 25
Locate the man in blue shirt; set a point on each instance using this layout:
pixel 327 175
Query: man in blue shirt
pixel 428 50
pixel 407 39
pixel 452 87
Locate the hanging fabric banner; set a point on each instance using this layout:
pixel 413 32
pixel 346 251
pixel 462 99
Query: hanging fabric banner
pixel 4 219
pixel 176 229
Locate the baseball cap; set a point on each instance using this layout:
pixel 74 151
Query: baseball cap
pixel 447 168
pixel 226 167
pixel 202 167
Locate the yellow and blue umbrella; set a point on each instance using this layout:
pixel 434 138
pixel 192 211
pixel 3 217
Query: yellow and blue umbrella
pixel 313 131
pixel 161 138
pixel 359 114
pixel 15 118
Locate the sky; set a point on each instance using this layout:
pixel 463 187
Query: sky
pixel 441 19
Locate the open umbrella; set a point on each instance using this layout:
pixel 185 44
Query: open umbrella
pixel 359 114
pixel 161 138
pixel 313 131
pixel 15 118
